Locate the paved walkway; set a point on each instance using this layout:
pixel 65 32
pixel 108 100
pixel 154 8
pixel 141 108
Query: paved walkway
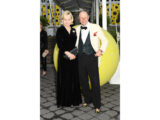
pixel 110 109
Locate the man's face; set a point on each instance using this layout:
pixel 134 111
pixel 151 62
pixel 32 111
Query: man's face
pixel 83 17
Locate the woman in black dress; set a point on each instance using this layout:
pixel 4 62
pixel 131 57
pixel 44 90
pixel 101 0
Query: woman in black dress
pixel 43 49
pixel 68 88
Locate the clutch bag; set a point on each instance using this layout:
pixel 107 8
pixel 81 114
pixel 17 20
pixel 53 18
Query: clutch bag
pixel 73 51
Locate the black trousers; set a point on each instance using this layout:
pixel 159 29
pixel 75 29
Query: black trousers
pixel 88 66
pixel 43 61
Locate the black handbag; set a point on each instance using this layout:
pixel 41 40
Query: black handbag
pixel 73 51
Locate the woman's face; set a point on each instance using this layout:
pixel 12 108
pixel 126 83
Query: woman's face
pixel 67 20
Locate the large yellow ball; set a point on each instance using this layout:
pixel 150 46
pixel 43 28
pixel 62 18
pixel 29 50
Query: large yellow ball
pixel 109 60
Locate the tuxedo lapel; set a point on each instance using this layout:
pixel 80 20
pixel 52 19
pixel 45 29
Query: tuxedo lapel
pixel 91 31
pixel 78 34
pixel 91 34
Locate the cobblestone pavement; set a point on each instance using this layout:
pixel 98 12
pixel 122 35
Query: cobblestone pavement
pixel 110 100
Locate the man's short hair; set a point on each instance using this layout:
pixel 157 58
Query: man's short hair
pixel 84 11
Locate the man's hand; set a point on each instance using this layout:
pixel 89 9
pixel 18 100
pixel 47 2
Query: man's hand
pixel 98 53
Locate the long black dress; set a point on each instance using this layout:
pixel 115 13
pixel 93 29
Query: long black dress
pixel 68 87
pixel 43 47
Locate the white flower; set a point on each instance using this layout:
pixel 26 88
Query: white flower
pixel 73 31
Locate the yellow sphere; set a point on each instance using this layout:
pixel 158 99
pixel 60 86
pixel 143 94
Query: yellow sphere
pixel 109 60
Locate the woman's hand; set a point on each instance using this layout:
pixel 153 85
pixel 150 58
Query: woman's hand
pixel 70 55
pixel 46 51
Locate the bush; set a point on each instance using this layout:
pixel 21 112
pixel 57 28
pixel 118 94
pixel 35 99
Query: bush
pixel 112 31
pixel 44 21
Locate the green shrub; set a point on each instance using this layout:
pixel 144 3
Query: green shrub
pixel 44 21
pixel 112 31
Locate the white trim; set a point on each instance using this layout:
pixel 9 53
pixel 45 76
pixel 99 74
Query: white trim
pixel 104 15
pixel 116 77
pixel 50 6
pixel 110 2
pixel 97 12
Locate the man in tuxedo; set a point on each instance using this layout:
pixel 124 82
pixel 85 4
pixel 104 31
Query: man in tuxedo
pixel 88 41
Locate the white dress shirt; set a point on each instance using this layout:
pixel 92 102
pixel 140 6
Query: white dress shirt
pixel 84 33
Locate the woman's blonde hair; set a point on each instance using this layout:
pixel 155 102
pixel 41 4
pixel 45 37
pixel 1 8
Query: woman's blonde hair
pixel 67 12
